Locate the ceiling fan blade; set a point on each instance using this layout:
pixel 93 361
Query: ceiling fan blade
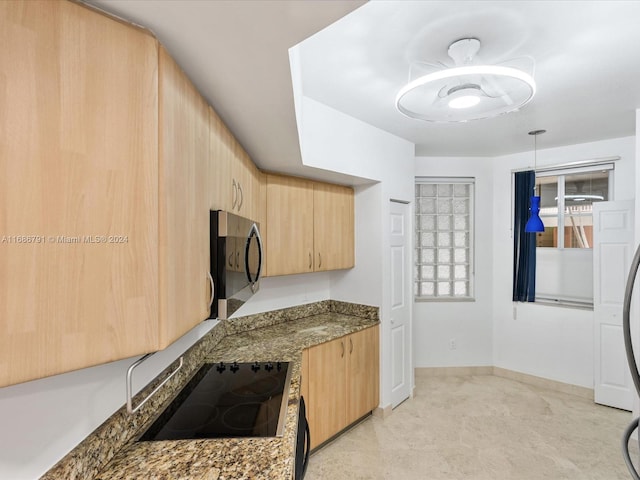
pixel 492 89
pixel 419 69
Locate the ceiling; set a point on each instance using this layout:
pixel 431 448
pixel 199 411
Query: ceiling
pixel 236 53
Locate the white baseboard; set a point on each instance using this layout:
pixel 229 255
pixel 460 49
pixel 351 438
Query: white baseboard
pixel 446 371
pixel 541 382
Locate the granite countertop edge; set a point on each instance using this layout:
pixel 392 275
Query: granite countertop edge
pixel 112 452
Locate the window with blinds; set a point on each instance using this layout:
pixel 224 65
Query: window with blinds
pixel 444 239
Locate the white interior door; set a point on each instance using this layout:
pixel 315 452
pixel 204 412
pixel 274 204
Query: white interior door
pixel 612 253
pixel 400 303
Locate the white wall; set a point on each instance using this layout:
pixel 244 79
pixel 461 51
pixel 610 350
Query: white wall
pixel 357 285
pixel 287 291
pixel 337 142
pixel 550 342
pixel 332 140
pixel 546 341
pixel 42 420
pixel 468 323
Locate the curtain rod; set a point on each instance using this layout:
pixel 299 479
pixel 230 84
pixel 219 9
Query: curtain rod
pixel 579 163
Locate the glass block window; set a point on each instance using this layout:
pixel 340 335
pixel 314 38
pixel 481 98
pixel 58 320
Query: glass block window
pixel 444 239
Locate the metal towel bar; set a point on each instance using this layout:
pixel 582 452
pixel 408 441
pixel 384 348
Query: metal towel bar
pixel 130 408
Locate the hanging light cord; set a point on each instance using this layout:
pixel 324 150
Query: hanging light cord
pixel 535 163
pixel 535 134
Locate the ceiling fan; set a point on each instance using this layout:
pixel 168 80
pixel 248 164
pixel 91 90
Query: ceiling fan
pixel 467 90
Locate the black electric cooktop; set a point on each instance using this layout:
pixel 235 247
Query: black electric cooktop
pixel 226 400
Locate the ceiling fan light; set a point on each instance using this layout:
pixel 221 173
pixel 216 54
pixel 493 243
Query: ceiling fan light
pixel 464 74
pixel 500 88
pixel 464 101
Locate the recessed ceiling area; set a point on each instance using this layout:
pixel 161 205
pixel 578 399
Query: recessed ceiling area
pixel 355 57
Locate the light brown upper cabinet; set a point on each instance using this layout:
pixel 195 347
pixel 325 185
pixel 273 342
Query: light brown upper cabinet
pixel 310 226
pixel 104 230
pixel 79 189
pixel 234 178
pixel 333 229
pixel 219 174
pixel 289 235
pixel 255 194
pixel 184 210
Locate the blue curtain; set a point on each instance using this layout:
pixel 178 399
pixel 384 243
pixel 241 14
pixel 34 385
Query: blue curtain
pixel 524 244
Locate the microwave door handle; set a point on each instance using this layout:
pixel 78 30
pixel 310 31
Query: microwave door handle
pixel 247 250
pixel 253 231
pixel 260 250
pixel 213 289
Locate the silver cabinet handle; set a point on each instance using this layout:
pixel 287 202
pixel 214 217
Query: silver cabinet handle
pixel 237 259
pixel 231 260
pixel 319 260
pixel 241 196
pixel 213 289
pixel 310 261
pixel 234 194
pixel 351 349
pixel 130 407
pixel 342 343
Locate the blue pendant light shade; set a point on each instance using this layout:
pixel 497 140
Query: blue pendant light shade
pixel 534 224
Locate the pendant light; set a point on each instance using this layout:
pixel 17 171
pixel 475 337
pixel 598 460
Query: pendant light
pixel 534 224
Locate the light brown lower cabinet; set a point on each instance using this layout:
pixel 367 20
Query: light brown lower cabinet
pixel 340 382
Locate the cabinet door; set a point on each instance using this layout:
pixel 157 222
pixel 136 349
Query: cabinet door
pixel 234 180
pixel 241 172
pixel 290 225
pixel 79 178
pixel 261 216
pixel 327 390
pixel 304 377
pixel 184 209
pixel 256 207
pixel 219 183
pixel 333 227
pixel 363 367
pixel 260 203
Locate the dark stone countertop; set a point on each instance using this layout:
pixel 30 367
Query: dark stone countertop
pixel 240 458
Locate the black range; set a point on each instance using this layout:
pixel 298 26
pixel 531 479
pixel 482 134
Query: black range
pixel 225 400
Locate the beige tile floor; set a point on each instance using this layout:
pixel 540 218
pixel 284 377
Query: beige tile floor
pixel 480 427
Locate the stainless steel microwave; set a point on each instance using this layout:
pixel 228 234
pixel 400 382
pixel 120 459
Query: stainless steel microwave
pixel 236 261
